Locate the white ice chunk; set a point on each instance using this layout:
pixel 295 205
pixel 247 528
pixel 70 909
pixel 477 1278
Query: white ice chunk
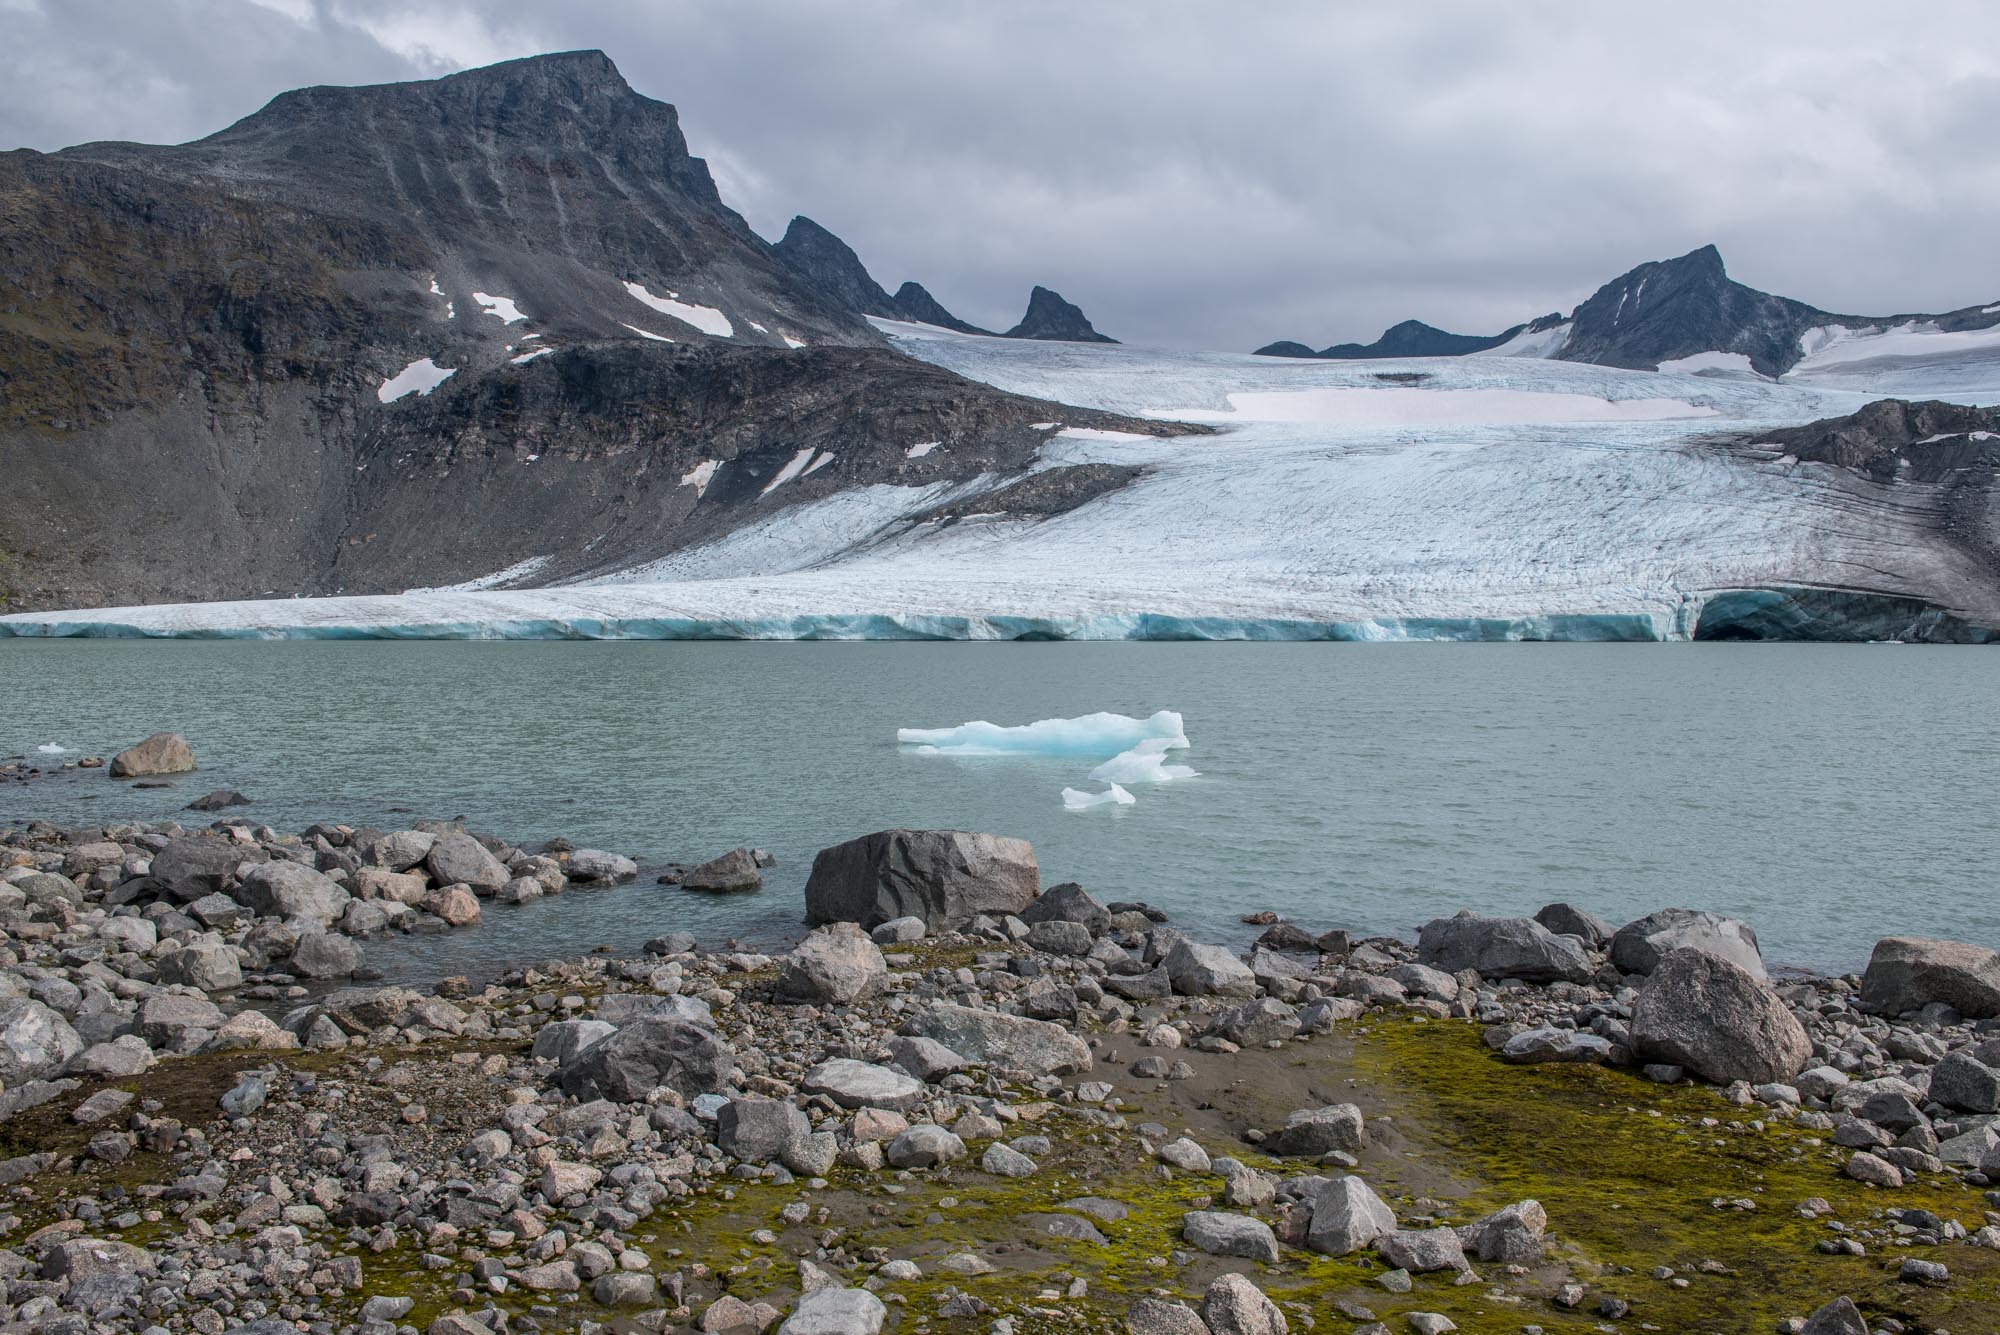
pixel 705 318
pixel 527 357
pixel 921 448
pixel 1090 735
pixel 1144 763
pixel 501 308
pixel 789 471
pixel 420 377
pixel 647 333
pixel 1075 799
pixel 52 749
pixel 700 476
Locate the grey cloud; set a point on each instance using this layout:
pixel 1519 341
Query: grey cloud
pixel 1194 174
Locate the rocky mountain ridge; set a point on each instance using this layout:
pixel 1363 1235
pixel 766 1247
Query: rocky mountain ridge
pixel 1663 312
pixel 414 334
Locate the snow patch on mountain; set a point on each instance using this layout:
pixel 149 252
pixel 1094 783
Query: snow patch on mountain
pixel 1532 343
pixel 705 318
pixel 1832 345
pixel 1700 362
pixel 520 570
pixel 700 476
pixel 420 377
pixel 501 308
pixel 647 333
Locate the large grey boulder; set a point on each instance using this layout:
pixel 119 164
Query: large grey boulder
pixel 1511 1235
pixel 1220 1233
pixel 1568 920
pixel 564 1039
pixel 1235 1306
pixel 325 955
pixel 162 753
pixel 1254 1023
pixel 207 964
pixel 194 866
pixel 835 965
pixel 1502 948
pixel 832 1311
pixel 941 876
pixel 1347 1215
pixel 687 1058
pixel 760 1130
pixel 1157 1316
pixel 1907 973
pixel 594 866
pixel 1421 1251
pixel 733 871
pixel 175 1019
pixel 859 1084
pixel 1969 1079
pixel 1839 1317
pixel 1533 1047
pixel 34 1041
pixel 1701 1011
pixel 925 1145
pixel 1012 1042
pixel 1197 970
pixel 1638 947
pixel 1311 1132
pixel 459 859
pixel 289 890
pixel 1068 902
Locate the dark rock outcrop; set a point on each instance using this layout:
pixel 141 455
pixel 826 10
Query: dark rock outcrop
pixel 942 876
pixel 1050 317
pixel 830 264
pixel 1414 338
pixel 1927 441
pixel 913 302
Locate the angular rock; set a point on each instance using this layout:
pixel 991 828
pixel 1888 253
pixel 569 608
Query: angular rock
pixel 858 1084
pixel 733 871
pixel 1564 920
pixel 459 859
pixel 1068 902
pixel 1059 936
pixel 1234 1306
pixel 193 866
pixel 1256 1022
pixel 645 1055
pixel 1638 947
pixel 1907 973
pixel 208 965
pixel 162 753
pixel 1347 1215
pixel 1501 948
pixel 942 876
pixel 563 1040
pixel 1311 1132
pixel 924 1146
pixel 835 965
pixel 1220 1233
pixel 1533 1046
pixel 1197 970
pixel 289 890
pixel 594 866
pixel 1008 1041
pixel 1964 1082
pixel 1421 1251
pixel 760 1130
pixel 454 905
pixel 169 1019
pixel 1700 1011
pixel 832 1311
pixel 1157 1316
pixel 35 1042
pixel 1839 1317
pixel 325 955
pixel 1511 1235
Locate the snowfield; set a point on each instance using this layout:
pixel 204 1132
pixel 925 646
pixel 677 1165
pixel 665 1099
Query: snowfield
pixel 1488 497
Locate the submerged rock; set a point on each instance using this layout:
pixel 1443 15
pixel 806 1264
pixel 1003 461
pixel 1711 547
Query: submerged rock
pixel 733 871
pixel 162 753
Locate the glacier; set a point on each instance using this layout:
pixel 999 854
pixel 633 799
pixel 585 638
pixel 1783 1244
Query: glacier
pixel 1487 497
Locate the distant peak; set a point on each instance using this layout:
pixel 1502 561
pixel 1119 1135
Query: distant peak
pixel 1050 317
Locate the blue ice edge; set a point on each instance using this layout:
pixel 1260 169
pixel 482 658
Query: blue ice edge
pixel 1797 614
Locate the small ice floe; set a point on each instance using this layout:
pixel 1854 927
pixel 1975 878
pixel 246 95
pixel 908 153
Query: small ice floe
pixel 705 318
pixel 502 309
pixel 1144 763
pixel 700 476
pixel 1075 799
pixel 921 448
pixel 420 377
pixel 52 749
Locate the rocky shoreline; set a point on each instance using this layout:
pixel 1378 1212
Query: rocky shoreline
pixel 961 1102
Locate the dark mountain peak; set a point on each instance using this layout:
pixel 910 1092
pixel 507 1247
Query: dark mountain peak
pixel 914 302
pixel 1414 338
pixel 563 82
pixel 1665 310
pixel 1050 317
pixel 830 264
pixel 1285 347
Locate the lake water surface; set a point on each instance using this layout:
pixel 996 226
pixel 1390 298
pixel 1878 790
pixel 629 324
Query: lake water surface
pixel 1829 794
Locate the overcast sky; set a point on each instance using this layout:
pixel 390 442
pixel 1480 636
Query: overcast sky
pixel 1197 174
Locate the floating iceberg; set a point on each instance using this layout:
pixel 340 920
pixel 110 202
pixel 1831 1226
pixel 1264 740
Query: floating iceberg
pixel 1090 735
pixel 1075 799
pixel 1144 763
pixel 51 749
